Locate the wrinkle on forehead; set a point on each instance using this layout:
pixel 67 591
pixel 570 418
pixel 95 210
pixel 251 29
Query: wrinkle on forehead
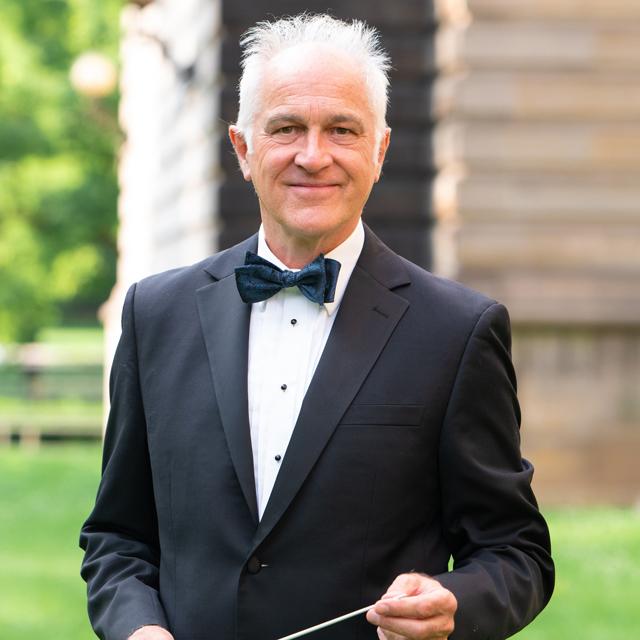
pixel 314 75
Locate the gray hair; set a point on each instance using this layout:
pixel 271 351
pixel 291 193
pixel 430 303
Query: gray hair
pixel 266 39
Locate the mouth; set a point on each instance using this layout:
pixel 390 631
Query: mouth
pixel 313 188
pixel 313 185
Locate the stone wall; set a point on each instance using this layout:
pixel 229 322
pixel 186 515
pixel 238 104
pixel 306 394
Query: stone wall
pixel 542 139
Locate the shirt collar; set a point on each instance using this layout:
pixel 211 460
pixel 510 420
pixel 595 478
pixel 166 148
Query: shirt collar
pixel 346 254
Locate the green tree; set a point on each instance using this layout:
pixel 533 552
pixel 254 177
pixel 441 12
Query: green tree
pixel 58 184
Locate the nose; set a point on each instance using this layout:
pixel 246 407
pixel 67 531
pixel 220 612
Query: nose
pixel 314 155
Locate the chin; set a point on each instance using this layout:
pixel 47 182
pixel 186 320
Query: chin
pixel 318 221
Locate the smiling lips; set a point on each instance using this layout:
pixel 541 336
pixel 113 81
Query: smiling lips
pixel 312 186
pixel 313 192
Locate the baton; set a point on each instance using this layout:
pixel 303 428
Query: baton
pixel 333 621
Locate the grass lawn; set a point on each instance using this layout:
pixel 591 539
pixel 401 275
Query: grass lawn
pixel 597 595
pixel 46 493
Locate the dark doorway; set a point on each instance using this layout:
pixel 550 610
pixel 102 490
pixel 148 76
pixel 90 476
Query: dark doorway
pixel 399 209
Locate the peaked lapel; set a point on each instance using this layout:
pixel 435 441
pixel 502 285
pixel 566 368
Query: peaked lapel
pixel 368 315
pixel 224 318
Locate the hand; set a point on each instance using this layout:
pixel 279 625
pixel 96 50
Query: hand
pixel 427 611
pixel 151 632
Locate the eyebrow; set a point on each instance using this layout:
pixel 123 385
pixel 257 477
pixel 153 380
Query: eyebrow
pixel 342 118
pixel 290 118
pixel 283 118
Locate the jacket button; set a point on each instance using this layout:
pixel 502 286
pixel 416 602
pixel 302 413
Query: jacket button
pixel 254 565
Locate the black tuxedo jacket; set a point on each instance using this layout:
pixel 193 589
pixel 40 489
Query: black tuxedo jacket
pixel 405 453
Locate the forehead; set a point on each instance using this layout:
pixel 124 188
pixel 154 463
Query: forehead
pixel 314 77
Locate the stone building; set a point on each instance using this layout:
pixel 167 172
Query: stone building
pixel 514 168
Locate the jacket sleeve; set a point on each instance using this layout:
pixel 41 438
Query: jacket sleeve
pixel 503 574
pixel 120 537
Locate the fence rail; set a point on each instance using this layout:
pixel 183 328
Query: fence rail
pixel 50 402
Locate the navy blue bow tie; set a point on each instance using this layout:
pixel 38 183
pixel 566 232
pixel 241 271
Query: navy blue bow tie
pixel 259 279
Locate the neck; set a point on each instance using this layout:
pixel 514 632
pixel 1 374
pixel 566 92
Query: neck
pixel 295 252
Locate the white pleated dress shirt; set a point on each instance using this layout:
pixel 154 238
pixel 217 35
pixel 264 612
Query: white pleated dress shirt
pixel 287 335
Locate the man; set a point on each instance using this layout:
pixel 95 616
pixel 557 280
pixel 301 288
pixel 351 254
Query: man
pixel 294 439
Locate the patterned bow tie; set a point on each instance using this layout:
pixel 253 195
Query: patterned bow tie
pixel 259 279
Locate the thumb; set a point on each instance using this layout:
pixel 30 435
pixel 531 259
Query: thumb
pixel 405 584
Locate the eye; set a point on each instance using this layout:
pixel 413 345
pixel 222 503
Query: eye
pixel 342 131
pixel 287 130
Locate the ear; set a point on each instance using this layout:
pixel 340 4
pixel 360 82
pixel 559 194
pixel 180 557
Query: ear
pixel 382 152
pixel 240 146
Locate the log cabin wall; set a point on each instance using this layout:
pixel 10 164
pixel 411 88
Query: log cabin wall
pixel 514 168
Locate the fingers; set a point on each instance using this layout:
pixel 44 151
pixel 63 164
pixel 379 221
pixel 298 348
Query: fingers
pixel 424 598
pixel 408 584
pixel 151 632
pixel 413 629
pixel 426 611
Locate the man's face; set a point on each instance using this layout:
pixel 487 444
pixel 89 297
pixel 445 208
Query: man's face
pixel 315 153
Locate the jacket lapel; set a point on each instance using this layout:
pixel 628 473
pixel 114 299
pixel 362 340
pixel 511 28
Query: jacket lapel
pixel 367 317
pixel 225 325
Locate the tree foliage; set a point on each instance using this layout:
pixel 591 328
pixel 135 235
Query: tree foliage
pixel 58 184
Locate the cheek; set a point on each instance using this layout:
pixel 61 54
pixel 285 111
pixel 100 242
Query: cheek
pixel 274 159
pixel 361 163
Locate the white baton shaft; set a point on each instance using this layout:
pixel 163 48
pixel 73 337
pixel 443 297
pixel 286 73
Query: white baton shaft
pixel 333 621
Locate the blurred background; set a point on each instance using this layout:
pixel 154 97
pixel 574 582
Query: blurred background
pixel 514 168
